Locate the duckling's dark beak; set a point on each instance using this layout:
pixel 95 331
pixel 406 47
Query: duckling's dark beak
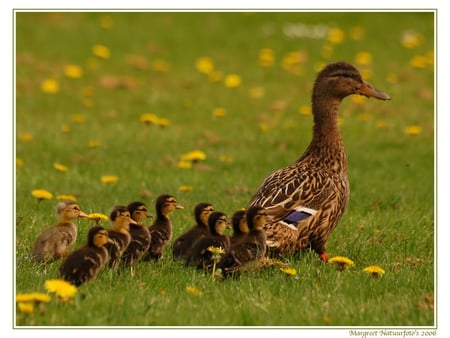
pixel 82 214
pixel 368 90
pixel 179 206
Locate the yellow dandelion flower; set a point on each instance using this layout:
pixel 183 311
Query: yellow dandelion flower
pixel 341 263
pixel 289 271
pixel 413 130
pixel 305 110
pixel 184 164
pixel 216 250
pixel 26 307
pixel 66 197
pixel 185 188
pixel 93 143
pixel 50 86
pixel 266 57
pixel 149 118
pixel 101 51
pixel 219 112
pixel 160 66
pixel 194 156
pixel 42 194
pixel 419 61
pixel 61 288
pixel 204 65
pixel 357 33
pixel 32 297
pixel 25 137
pixel 358 99
pixel 19 162
pixel 79 118
pixel 96 216
pixel 232 81
pixel 374 270
pixel 194 291
pixel 336 35
pixel 60 167
pixel 106 22
pixel 163 122
pixel 73 71
pixel 256 92
pixel 411 39
pixel 363 58
pixel 65 128
pixel 109 179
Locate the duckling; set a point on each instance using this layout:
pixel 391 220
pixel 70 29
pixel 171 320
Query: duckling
pixel 251 247
pixel 119 234
pixel 56 241
pixel 140 235
pixel 308 198
pixel 184 243
pixel 240 227
pixel 85 263
pixel 201 257
pixel 161 229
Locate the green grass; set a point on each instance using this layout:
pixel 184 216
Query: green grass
pixel 390 218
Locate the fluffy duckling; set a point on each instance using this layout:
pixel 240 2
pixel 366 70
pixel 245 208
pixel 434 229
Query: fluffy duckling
pixel 85 263
pixel 140 235
pixel 201 256
pixel 119 234
pixel 250 248
pixel 183 244
pixel 161 229
pixel 55 242
pixel 240 227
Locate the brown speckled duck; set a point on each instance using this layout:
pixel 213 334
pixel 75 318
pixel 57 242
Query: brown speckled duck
pixel 307 199
pixel 161 229
pixel 120 220
pixel 140 235
pixel 185 242
pixel 56 241
pixel 251 247
pixel 84 264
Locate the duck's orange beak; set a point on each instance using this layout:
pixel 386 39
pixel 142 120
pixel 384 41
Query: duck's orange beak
pixel 82 214
pixel 370 91
pixel 132 221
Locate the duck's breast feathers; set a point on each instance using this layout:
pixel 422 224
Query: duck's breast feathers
pixel 296 188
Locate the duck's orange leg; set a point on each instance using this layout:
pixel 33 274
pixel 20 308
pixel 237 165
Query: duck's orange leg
pixel 324 256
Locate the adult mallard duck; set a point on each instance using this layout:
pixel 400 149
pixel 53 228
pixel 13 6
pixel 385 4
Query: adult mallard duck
pixel 251 247
pixel 161 229
pixel 120 220
pixel 184 243
pixel 201 257
pixel 308 198
pixel 140 235
pixel 85 263
pixel 56 241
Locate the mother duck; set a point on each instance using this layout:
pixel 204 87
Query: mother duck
pixel 307 199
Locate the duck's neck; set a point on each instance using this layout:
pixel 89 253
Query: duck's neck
pixel 327 145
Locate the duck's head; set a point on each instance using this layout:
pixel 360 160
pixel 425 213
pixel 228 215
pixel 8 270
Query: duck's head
pixel 239 222
pixel 68 210
pixel 138 211
pixel 256 217
pixel 202 211
pixel 120 218
pixel 165 204
pixel 217 223
pixel 340 79
pixel 98 236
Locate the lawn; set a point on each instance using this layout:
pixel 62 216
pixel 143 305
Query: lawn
pixel 237 87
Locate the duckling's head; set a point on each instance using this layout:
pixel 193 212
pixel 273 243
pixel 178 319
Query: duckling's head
pixel 138 211
pixel 165 204
pixel 217 223
pixel 202 212
pixel 68 210
pixel 120 218
pixel 98 236
pixel 340 79
pixel 256 217
pixel 239 222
